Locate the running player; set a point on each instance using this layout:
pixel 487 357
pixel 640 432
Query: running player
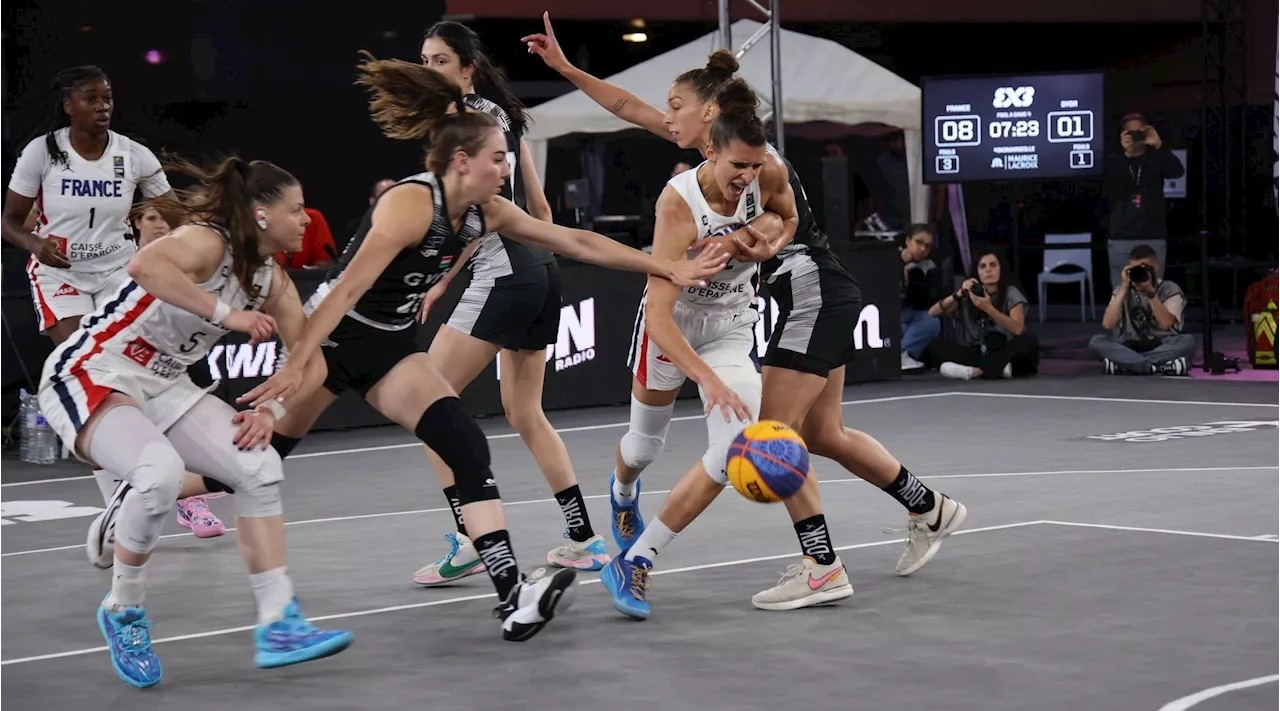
pixel 81 177
pixel 511 309
pixel 819 303
pixel 364 316
pixel 118 389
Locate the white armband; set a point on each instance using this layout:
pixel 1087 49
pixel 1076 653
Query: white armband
pixel 220 312
pixel 274 407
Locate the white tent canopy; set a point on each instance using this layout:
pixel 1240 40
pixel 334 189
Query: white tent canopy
pixel 821 81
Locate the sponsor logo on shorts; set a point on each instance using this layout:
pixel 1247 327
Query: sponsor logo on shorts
pixel 1208 429
pixel 66 290
pixel 139 351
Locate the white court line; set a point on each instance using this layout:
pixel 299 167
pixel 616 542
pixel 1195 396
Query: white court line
pixel 468 598
pixel 1083 398
pixel 1187 702
pixel 444 509
pixel 1170 531
pixel 507 435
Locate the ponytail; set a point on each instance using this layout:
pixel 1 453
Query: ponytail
pixel 488 80
pixel 737 120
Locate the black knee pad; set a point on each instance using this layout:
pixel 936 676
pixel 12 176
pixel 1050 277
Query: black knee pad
pixel 450 432
pixel 214 486
pixel 283 445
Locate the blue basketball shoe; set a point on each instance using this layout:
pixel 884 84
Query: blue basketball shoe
pixel 129 641
pixel 627 522
pixel 293 640
pixel 627 582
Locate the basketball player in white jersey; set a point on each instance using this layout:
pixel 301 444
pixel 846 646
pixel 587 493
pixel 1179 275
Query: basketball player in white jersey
pixel 81 177
pixel 707 334
pixel 118 390
pixel 819 303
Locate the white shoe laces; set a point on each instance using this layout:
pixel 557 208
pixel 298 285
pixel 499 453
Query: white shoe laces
pixel 795 570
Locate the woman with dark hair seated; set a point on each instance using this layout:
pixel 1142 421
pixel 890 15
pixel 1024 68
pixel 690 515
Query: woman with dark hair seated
pixel 991 339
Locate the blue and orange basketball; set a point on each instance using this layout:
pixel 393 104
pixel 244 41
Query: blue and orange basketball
pixel 768 462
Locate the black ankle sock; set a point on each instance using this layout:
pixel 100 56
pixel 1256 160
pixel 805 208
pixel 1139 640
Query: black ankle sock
pixel 908 491
pixel 499 561
pixel 455 505
pixel 575 513
pixel 815 540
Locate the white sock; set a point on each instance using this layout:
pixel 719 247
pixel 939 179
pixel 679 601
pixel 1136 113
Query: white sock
pixel 106 482
pixel 656 536
pixel 128 586
pixel 273 591
pixel 624 494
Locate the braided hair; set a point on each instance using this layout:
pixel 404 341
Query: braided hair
pixel 64 83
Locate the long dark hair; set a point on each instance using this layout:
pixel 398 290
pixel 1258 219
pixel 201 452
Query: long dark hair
pixel 64 83
pixel 708 81
pixel 1005 282
pixel 410 102
pixel 489 80
pixel 224 196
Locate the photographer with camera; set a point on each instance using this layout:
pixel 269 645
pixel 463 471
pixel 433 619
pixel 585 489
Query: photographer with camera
pixel 920 287
pixel 1134 185
pixel 991 317
pixel 1145 322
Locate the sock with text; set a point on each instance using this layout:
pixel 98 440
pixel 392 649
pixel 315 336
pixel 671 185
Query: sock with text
pixel 815 540
pixel 455 505
pixel 575 514
pixel 499 560
pixel 908 491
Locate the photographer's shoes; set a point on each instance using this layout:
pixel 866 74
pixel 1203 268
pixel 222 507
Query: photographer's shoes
pixel 926 531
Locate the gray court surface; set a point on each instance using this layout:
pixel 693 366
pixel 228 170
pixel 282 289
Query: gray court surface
pixel 1092 574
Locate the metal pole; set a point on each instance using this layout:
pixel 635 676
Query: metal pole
pixel 775 40
pixel 726 26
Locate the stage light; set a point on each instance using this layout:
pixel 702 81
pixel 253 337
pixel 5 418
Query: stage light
pixel 635 37
pixel 154 57
pixel 637 24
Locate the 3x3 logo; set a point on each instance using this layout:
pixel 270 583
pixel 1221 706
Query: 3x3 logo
pixel 1016 97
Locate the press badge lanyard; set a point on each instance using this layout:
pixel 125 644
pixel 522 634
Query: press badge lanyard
pixel 1137 184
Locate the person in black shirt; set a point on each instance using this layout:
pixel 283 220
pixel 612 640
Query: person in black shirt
pixel 1134 182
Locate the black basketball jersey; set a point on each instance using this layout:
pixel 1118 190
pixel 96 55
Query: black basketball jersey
pixel 498 256
pixel 393 301
pixel 810 240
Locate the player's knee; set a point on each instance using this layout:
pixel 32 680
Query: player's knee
pixel 524 417
pixel 640 449
pixel 258 485
pixel 157 478
pixel 451 433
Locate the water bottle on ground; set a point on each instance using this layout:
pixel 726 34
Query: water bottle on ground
pixel 27 426
pixel 39 442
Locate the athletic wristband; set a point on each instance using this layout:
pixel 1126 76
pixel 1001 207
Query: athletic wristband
pixel 274 407
pixel 220 313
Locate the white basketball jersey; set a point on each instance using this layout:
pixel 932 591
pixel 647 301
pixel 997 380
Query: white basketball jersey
pixel 85 204
pixel 733 288
pixel 162 337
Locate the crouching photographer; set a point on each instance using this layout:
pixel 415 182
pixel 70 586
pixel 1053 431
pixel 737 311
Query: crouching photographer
pixel 1145 322
pixel 991 339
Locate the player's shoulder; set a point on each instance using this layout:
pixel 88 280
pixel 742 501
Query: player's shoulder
pixel 673 202
pixel 38 147
pixel 479 103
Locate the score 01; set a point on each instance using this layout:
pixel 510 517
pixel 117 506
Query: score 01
pixel 1070 126
pixel 949 131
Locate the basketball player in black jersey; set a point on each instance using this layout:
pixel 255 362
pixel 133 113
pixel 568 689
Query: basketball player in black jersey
pixel 818 302
pixel 511 309
pixel 364 317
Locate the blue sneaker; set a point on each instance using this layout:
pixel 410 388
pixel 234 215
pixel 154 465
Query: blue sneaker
pixel 627 581
pixel 627 522
pixel 293 640
pixel 129 641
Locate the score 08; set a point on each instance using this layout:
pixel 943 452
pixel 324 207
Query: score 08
pixel 957 131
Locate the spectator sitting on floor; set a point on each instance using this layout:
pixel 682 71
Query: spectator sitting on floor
pixel 993 342
pixel 318 250
pixel 1145 322
pixel 919 292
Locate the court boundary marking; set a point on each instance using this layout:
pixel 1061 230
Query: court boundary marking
pixel 1190 700
pixel 525 502
pixel 683 418
pixel 671 571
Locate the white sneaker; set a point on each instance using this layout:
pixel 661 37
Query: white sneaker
pixel 1007 373
pixel 99 543
pixel 926 531
pixel 909 363
pixel 806 584
pixel 955 371
pixel 460 561
pixel 535 601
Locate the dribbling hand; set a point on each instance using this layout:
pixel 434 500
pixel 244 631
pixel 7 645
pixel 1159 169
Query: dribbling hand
pixel 718 395
pixel 256 428
pixel 695 272
pixel 257 325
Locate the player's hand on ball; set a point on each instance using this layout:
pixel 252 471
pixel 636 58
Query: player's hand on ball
pixel 718 395
pixel 695 272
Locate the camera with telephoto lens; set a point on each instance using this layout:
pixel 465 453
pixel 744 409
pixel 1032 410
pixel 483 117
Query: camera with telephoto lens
pixel 1140 274
pixel 977 289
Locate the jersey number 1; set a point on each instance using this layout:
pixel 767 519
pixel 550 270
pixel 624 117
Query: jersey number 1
pixel 92 210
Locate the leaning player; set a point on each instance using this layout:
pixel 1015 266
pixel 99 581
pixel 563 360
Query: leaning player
pixel 707 335
pixel 818 302
pixel 364 317
pixel 118 389
pixel 81 176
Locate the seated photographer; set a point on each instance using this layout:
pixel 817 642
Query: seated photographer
pixel 1145 322
pixel 919 291
pixel 991 318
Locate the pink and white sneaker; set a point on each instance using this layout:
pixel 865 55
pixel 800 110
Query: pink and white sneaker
pixel 194 513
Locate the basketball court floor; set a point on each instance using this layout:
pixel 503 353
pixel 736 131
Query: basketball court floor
pixel 1120 553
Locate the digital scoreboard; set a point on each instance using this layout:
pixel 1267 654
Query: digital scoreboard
pixel 1012 127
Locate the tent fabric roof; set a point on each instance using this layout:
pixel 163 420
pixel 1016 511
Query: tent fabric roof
pixel 822 81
